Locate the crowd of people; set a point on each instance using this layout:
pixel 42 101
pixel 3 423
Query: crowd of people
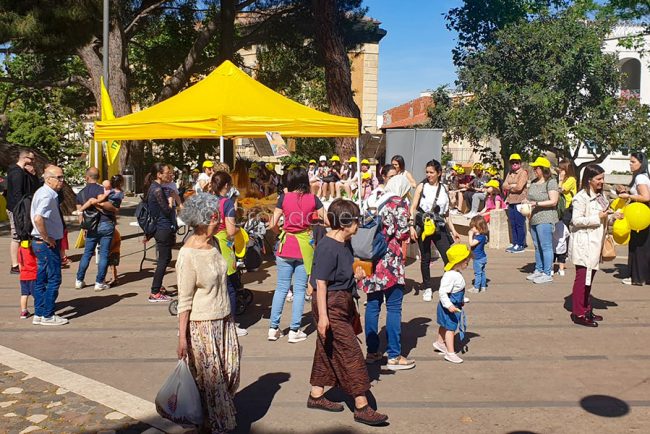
pixel 567 219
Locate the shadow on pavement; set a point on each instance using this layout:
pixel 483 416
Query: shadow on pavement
pixel 528 268
pixel 254 401
pixel 79 307
pixel 596 303
pixel 260 308
pixel 604 405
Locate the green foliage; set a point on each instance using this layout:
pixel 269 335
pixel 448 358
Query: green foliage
pixel 545 85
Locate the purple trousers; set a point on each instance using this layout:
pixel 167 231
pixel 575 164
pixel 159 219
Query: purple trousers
pixel 581 292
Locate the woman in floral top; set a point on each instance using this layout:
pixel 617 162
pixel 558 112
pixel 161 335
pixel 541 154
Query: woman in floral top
pixel 387 282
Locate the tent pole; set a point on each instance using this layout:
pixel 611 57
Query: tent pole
pixel 221 156
pixel 359 174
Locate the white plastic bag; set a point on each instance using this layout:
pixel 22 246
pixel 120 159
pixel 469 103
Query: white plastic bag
pixel 178 399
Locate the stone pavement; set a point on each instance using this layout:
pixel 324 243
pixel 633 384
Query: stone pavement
pixel 527 367
pixel 28 404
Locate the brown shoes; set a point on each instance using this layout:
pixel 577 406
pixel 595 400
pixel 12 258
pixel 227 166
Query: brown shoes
pixel 583 321
pixel 369 416
pixel 322 403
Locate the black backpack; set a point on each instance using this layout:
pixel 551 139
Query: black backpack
pixel 22 218
pixel 145 220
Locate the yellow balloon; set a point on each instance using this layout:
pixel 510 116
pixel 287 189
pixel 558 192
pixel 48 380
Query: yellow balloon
pixel 621 230
pixel 618 203
pixel 622 240
pixel 637 215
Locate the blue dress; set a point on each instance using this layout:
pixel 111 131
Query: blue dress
pixel 447 319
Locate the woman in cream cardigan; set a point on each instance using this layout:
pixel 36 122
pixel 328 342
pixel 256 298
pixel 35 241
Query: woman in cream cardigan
pixel 207 336
pixel 588 229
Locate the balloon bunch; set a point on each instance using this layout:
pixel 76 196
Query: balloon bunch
pixel 636 218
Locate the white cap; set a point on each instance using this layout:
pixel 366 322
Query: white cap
pixel 322 158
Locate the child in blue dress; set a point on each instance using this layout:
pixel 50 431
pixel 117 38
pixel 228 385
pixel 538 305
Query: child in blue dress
pixel 478 238
pixel 452 293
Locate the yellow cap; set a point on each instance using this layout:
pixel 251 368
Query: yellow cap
pixel 492 183
pixel 208 163
pixel 514 157
pixel 366 175
pixel 312 161
pixel 335 158
pixel 255 166
pixel 352 159
pixel 269 166
pixel 492 171
pixel 24 244
pixel 460 170
pixel 455 255
pixel 365 161
pixel 477 166
pixel 428 227
pixel 541 162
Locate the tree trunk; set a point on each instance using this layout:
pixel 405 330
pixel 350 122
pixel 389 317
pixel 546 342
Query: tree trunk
pixel 227 43
pixel 338 78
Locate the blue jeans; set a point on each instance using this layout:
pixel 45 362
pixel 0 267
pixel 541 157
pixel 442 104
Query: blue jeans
pixel 393 298
pixel 480 281
pixel 286 269
pixel 234 283
pixel 48 277
pixel 543 241
pixel 518 225
pixel 102 236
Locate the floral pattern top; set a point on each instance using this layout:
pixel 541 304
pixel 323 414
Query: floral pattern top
pixel 390 270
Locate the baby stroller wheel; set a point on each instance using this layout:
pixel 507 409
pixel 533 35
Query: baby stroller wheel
pixel 247 295
pixel 241 304
pixel 173 307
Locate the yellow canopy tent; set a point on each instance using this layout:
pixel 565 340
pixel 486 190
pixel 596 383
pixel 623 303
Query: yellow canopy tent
pixel 227 103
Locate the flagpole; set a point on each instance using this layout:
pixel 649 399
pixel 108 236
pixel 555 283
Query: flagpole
pixel 358 175
pixel 221 153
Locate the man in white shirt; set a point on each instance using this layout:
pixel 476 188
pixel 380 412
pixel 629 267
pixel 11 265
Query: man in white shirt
pixel 203 181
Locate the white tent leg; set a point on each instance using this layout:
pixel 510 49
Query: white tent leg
pixel 359 174
pixel 221 150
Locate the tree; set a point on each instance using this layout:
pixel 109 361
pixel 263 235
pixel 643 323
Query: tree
pixel 545 85
pixel 477 22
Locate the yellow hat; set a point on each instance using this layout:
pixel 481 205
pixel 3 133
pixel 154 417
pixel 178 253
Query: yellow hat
pixel 492 183
pixel 460 170
pixel 208 163
pixel 365 161
pixel 270 166
pixel 429 227
pixel 514 157
pixel 240 243
pixel 492 171
pixel 366 175
pixel 24 244
pixel 477 166
pixel 352 160
pixel 456 254
pixel 541 162
pixel 312 161
pixel 335 158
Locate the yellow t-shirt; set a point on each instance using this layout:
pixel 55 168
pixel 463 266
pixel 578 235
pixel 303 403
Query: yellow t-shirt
pixel 569 189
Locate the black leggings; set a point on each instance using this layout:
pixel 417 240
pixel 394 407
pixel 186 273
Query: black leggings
pixel 442 241
pixel 165 240
pixel 639 257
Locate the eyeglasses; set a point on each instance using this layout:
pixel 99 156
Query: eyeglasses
pixel 59 178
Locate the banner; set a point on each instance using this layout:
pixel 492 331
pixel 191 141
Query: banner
pixel 113 146
pixel 277 144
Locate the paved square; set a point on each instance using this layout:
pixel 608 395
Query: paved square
pixel 527 367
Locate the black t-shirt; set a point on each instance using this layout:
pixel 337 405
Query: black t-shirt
pixel 92 191
pixel 333 263
pixel 19 184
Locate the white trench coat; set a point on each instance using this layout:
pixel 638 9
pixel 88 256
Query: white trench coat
pixel 587 232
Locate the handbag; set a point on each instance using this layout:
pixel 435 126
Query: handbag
pixel 608 252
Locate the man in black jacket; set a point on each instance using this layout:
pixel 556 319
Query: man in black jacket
pixel 19 183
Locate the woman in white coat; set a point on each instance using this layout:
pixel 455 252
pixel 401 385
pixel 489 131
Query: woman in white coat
pixel 588 230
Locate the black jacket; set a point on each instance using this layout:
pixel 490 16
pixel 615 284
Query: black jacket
pixel 19 184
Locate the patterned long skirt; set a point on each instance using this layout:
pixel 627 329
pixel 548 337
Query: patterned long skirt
pixel 214 356
pixel 338 360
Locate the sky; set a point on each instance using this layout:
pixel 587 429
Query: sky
pixel 415 54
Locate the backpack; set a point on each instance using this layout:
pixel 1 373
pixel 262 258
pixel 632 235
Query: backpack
pixel 370 243
pixel 146 221
pixel 22 218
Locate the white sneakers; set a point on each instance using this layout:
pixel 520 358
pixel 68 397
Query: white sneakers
pixel 294 337
pixel 54 320
pixel 534 275
pixel 297 336
pixel 274 334
pixel 440 348
pixel 427 294
pixel 240 331
pixel 79 284
pixel 101 286
pixel 453 358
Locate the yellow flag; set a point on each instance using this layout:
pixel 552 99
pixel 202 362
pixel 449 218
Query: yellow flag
pixel 113 148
